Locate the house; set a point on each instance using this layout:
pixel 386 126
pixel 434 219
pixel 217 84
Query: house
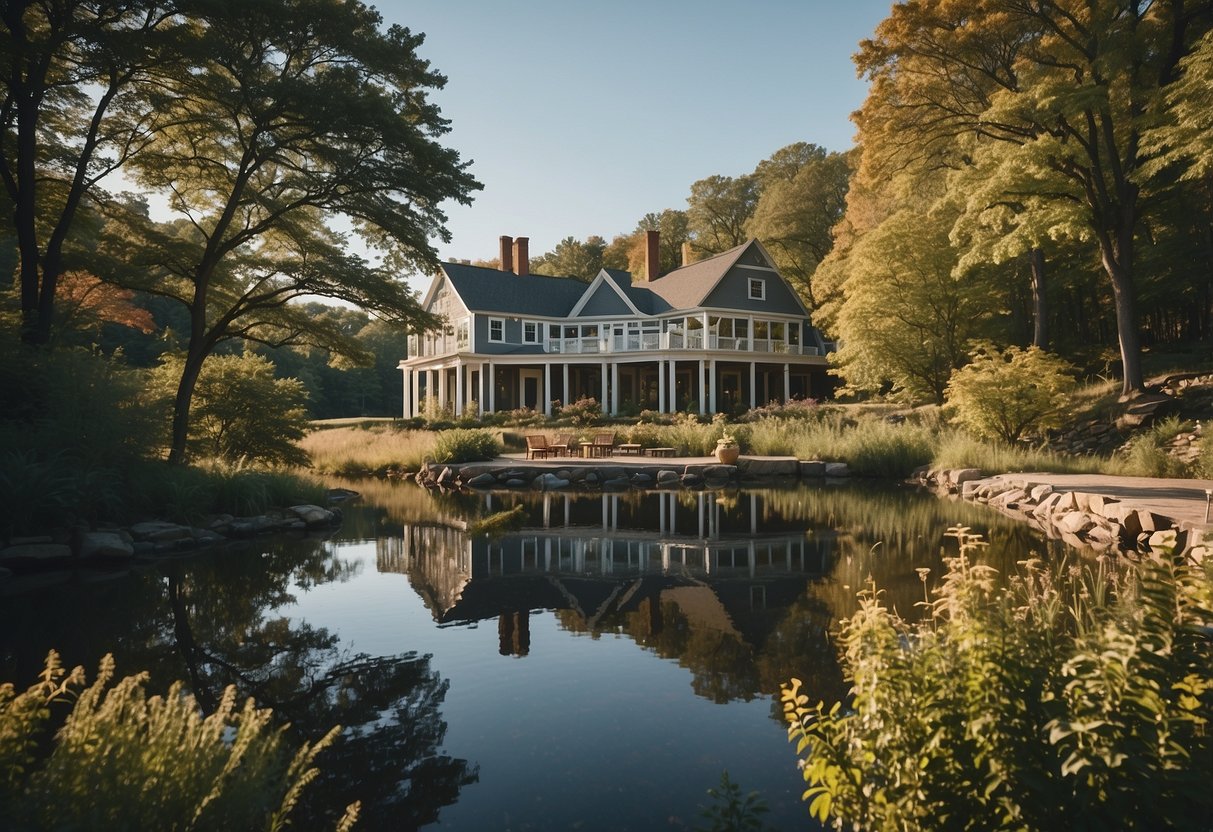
pixel 719 335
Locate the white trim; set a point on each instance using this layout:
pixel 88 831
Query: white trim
pixel 599 279
pixel 758 268
pixel 538 339
pixel 760 283
pixel 489 330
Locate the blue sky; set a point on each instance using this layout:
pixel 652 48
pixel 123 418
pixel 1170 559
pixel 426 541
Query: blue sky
pixel 581 117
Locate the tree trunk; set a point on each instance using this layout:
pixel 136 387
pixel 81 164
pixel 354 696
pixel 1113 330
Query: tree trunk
pixel 1040 320
pixel 1118 263
pixel 24 212
pixel 181 404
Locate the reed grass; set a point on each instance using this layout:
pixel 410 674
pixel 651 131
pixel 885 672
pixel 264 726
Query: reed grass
pixel 368 450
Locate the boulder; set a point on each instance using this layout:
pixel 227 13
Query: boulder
pixel 692 480
pixel 158 531
pixel 313 516
pixel 1039 492
pixel 104 545
pixel 837 469
pixel 962 475
pixel 481 480
pixel 667 477
pixel 761 468
pixel 1166 540
pixel 249 526
pixel 616 484
pixel 812 468
pixel 1074 522
pixel 30 554
pixel 550 482
pixel 515 482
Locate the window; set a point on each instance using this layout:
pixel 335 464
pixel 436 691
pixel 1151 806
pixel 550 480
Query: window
pixel 530 332
pixel 497 329
pixel 758 289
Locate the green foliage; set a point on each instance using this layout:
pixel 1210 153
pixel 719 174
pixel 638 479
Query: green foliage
pixel 124 760
pixel 1069 698
pixel 584 412
pixel 1148 454
pixel 241 413
pixel 906 321
pixel 1006 395
pixel 462 445
pixel 730 811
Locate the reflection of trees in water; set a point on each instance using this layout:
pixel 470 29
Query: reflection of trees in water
pixel 389 706
pixel 212 620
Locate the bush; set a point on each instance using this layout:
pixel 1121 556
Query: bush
pixel 126 760
pixel 1068 699
pixel 461 445
pixel 584 412
pixel 1006 395
pixel 240 413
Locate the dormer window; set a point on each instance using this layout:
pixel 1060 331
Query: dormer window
pixel 497 329
pixel 758 289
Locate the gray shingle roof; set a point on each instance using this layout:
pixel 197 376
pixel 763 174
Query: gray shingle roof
pixel 492 290
pixel 687 287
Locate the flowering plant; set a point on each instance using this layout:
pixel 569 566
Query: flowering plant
pixel 726 440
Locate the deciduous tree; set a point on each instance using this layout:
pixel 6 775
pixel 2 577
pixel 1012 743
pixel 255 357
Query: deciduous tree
pixel 293 113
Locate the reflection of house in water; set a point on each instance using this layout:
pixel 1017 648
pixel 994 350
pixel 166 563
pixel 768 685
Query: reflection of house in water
pixel 717 562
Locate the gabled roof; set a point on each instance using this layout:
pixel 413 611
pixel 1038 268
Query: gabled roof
pixel 498 292
pixel 687 287
pixel 492 290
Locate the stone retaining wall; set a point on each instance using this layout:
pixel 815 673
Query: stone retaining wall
pixel 1092 522
pixel 621 476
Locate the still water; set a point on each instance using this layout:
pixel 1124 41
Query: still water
pixel 595 667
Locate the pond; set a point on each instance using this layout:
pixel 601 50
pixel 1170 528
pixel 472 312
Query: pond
pixel 596 666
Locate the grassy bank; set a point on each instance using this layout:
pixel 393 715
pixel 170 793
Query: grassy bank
pixel 873 441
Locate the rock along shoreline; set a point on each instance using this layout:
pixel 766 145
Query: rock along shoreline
pixel 1089 520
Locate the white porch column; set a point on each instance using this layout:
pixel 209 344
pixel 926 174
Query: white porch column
pixel 661 387
pixel 547 389
pixel 787 382
pixel 564 390
pixel 701 390
pixel 415 386
pixel 706 334
pixel 753 386
pixel 492 377
pixel 407 378
pixel 603 401
pixel 673 386
pixel 459 388
pixel 614 388
pixel 442 401
pixel 712 389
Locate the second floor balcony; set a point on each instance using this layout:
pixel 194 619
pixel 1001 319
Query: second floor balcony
pixel 655 341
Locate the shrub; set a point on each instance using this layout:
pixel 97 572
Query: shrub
pixel 1005 395
pixel 126 760
pixel 792 409
pixel 461 445
pixel 240 413
pixel 1066 699
pixel 584 412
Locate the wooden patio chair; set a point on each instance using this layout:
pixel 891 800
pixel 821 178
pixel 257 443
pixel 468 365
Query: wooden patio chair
pixel 537 446
pixel 561 445
pixel 604 443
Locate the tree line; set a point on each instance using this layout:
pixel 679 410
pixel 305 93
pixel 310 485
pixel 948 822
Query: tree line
pixel 1030 174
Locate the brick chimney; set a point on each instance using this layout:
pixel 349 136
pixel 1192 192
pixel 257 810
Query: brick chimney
pixel 506 251
pixel 687 257
pixel 522 261
pixel 652 254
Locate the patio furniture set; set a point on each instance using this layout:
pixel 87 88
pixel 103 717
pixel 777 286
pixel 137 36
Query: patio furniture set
pixel 538 446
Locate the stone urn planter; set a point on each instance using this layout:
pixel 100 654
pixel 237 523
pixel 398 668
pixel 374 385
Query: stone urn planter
pixel 727 451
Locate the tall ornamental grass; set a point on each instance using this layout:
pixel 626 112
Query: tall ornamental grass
pixel 368 450
pixel 126 760
pixel 1064 698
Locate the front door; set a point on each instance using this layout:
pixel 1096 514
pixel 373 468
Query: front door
pixel 532 386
